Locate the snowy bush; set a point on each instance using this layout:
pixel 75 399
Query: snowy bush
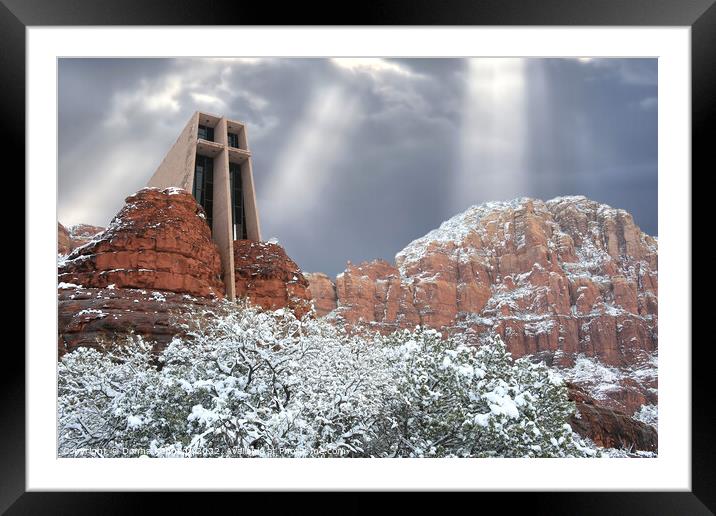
pixel 253 383
pixel 454 400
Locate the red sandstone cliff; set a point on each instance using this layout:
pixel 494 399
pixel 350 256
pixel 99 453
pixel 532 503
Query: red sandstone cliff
pixel 608 427
pixel 267 277
pixel 63 240
pixel 556 279
pixel 80 234
pixel 155 262
pixel 75 236
pixel 323 292
pixel 159 240
pixel 99 317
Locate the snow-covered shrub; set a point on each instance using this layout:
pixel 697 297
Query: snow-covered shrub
pixel 454 400
pixel 104 399
pixel 253 383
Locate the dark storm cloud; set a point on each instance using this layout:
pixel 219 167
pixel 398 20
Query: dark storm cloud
pixel 593 131
pixel 354 159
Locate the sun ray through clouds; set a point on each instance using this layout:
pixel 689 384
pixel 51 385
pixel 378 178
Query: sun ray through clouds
pixel 493 139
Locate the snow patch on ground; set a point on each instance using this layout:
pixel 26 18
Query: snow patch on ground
pixel 62 284
pixel 594 376
pixel 648 414
pixel 92 312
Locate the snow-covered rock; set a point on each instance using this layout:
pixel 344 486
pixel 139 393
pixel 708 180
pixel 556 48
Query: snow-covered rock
pixel 157 241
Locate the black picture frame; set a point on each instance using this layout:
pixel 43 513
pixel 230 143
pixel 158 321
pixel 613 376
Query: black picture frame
pixel 700 15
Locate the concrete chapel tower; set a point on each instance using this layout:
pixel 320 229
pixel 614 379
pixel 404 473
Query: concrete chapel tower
pixel 211 159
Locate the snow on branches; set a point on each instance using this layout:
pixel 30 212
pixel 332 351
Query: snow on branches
pixel 252 383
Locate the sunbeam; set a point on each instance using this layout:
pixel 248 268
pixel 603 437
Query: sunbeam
pixel 493 137
pixel 305 162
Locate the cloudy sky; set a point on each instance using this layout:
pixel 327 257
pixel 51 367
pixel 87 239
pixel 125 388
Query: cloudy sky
pixel 355 158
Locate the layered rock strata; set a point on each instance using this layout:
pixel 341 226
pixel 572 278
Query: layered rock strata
pixel 608 427
pixel 101 317
pixel 158 241
pixel 267 277
pixel 323 292
pixel 559 278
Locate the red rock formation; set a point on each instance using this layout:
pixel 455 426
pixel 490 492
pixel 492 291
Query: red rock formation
pixel 75 236
pixel 568 275
pixel 374 290
pixel 608 427
pixel 323 292
pixel 159 241
pixel 99 317
pixel 63 240
pixel 269 278
pixel 80 234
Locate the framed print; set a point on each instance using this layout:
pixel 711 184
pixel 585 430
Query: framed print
pixel 415 250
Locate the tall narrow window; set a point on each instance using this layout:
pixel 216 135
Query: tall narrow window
pixel 238 213
pixel 234 140
pixel 203 189
pixel 206 133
